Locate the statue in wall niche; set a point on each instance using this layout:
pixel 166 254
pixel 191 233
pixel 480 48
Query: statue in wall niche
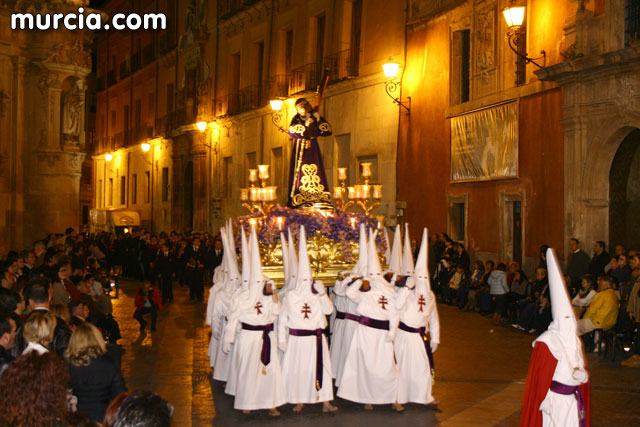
pixel 72 110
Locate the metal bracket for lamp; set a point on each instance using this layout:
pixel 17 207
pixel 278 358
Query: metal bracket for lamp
pixel 515 37
pixel 391 87
pixel 276 119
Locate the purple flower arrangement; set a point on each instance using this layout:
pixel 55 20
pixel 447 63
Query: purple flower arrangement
pixel 337 225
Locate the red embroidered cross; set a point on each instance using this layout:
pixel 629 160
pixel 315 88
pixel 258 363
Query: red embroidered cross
pixel 421 302
pixel 258 306
pixel 383 302
pixel 306 310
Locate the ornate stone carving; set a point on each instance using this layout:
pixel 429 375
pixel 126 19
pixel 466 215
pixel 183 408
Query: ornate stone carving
pixel 626 98
pixel 72 114
pixel 69 55
pixel 485 40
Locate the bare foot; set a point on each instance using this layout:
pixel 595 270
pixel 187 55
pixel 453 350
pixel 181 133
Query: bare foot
pixel 328 407
pixel 246 412
pixel 398 407
pixel 368 407
pixel 298 407
pixel 274 412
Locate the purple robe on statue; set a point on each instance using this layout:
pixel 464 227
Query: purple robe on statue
pixel 308 184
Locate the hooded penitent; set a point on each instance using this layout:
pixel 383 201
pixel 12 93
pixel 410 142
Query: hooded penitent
pixel 285 262
pixel 407 256
pixel 293 259
pixel 256 277
pixel 395 265
pixel 563 325
pixel 360 267
pixel 233 274
pixel 421 273
pixel 387 252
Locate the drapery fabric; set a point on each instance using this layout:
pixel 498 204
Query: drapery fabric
pixel 484 144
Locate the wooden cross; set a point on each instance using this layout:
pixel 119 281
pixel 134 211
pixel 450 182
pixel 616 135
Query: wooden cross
pixel 306 310
pixel 383 302
pixel 258 306
pixel 422 302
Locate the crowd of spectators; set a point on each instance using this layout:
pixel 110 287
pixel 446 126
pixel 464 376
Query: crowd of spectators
pixel 59 353
pixel 605 289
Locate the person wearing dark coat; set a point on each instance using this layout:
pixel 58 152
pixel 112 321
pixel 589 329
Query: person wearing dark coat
pixel 599 260
pixel 95 378
pixel 164 269
pixel 577 263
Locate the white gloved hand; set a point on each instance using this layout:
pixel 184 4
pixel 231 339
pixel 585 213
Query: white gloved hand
pixel 319 287
pixel 411 283
pixel 434 346
pixel 389 338
pixel 226 347
pixel 282 345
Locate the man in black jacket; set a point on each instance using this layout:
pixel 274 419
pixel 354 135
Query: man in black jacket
pixel 38 294
pixel 599 260
pixel 164 268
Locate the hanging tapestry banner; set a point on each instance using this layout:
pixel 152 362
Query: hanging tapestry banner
pixel 484 144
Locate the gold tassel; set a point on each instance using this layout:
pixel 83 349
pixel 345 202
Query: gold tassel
pixel 317 390
pixel 264 370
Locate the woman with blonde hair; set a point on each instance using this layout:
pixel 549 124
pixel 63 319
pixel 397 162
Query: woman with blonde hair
pixel 61 311
pixel 38 332
pixel 95 378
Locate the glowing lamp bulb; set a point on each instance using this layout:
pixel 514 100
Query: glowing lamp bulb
pixel 108 157
pixel 201 126
pixel 276 104
pixel 145 146
pixel 390 69
pixel 514 15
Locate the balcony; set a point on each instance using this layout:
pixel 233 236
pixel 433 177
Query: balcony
pixel 125 71
pixel 169 122
pixel 342 65
pixel 111 77
pixel 136 63
pixel 148 54
pixel 228 104
pixel 278 86
pixel 167 42
pixel 141 133
pixel 305 78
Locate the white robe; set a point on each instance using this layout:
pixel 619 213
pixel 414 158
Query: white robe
pixel 343 334
pixel 370 373
pixel 560 409
pixel 222 306
pixel 256 386
pixel 213 342
pixel 307 312
pixel 415 380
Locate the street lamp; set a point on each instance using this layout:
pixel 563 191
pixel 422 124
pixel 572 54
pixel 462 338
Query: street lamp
pixel 390 70
pixel 108 157
pixel 145 147
pixel 201 126
pixel 516 35
pixel 276 113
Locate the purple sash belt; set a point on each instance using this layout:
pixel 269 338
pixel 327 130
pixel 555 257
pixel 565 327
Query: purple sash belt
pixel 319 364
pixel 373 323
pixel 265 353
pixel 567 390
pixel 425 340
pixel 348 316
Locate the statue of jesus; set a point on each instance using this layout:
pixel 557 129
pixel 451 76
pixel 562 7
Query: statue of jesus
pixel 308 186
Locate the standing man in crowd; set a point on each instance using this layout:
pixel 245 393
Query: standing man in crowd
pixel 599 260
pixel 577 263
pixel 164 269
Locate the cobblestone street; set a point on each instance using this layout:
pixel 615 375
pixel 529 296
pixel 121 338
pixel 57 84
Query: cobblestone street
pixel 480 373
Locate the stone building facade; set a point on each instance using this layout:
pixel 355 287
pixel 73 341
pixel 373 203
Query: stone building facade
pixel 220 63
pixel 42 124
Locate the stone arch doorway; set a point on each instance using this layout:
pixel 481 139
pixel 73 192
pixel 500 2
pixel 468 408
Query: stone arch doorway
pixel 624 193
pixel 188 195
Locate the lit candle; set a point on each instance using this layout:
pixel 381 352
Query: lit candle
pixel 352 193
pixel 263 171
pixel 342 174
pixel 244 194
pixel 377 192
pixel 366 169
pixel 358 191
pixel 252 175
pixel 352 220
pixel 254 194
pixel 337 193
pixel 252 221
pixel 366 191
pixel 272 194
pixel 280 221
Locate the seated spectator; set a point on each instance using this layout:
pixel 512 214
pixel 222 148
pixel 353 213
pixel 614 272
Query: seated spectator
pixel 95 378
pixel 603 310
pixel 11 302
pixel 79 313
pixel 8 329
pixel 143 409
pixel 622 274
pixel 584 297
pixel 33 391
pixel 452 288
pixel 484 296
pixel 61 311
pixel 519 287
pixel 534 309
pixel 38 332
pixel 474 285
pixel 498 288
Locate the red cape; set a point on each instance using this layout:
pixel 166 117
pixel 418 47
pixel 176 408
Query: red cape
pixel 541 370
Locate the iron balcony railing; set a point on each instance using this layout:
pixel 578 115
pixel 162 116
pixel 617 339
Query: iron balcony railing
pixel 342 65
pixel 305 78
